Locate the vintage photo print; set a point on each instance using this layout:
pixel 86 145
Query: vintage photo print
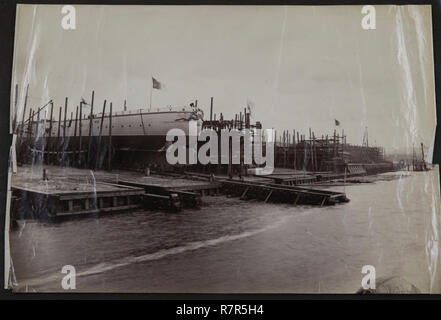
pixel 223 149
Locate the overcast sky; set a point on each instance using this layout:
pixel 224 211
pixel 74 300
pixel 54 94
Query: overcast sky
pixel 301 66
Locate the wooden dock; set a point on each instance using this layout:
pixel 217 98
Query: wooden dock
pixel 49 200
pixel 300 178
pixel 189 192
pixel 45 193
pixel 285 186
pixel 50 192
pixel 282 193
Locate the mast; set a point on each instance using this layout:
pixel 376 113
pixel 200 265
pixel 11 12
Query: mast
pixel 423 162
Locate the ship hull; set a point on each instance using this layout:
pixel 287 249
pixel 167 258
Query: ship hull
pixel 142 131
pixel 135 143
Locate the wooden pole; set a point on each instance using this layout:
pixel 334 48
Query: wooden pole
pixel 64 126
pixel 211 109
pixel 32 132
pixel 65 118
pixel 109 157
pixel 58 135
pixel 31 116
pixel 49 141
pixel 245 117
pixel 343 138
pixel 37 124
pixel 335 151
pixel 102 119
pixel 310 148
pixel 63 155
pixel 37 132
pixel 314 152
pixel 80 154
pixel 90 130
pixel 28 136
pixel 241 156
pixel 218 130
pixel 44 141
pixel 74 153
pixel 99 136
pixel 24 112
pixel 284 151
pixel 230 159
pixel 294 147
pixel 338 143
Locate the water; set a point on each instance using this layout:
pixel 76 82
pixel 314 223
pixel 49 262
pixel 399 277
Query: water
pixel 234 246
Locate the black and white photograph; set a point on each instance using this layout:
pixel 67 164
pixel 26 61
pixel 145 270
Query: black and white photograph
pixel 223 149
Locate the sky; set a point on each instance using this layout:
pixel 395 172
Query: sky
pixel 301 66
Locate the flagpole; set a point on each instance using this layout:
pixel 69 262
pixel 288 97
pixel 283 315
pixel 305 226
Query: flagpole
pixel 151 93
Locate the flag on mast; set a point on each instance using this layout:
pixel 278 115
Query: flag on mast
pixel 337 123
pixel 157 85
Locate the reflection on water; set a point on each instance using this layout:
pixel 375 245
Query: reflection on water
pixel 231 245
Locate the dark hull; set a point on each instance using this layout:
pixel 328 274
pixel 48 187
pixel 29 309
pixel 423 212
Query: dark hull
pixel 72 144
pixel 130 152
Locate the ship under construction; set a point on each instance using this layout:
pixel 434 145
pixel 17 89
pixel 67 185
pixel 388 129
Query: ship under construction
pixel 136 139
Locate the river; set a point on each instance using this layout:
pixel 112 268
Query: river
pixel 234 246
